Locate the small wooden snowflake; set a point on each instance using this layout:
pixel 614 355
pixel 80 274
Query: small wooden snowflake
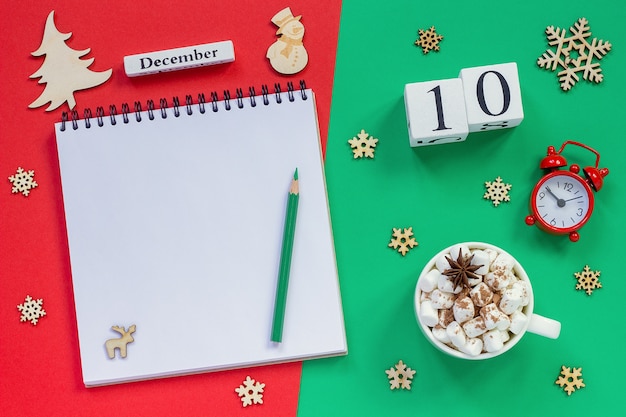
pixel 400 376
pixel 23 181
pixel 428 40
pixel 588 280
pixel 31 309
pixel 570 380
pixel 250 392
pixel 363 145
pixel 402 241
pixel 497 191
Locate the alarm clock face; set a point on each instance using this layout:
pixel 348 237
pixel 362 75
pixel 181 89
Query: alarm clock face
pixel 562 202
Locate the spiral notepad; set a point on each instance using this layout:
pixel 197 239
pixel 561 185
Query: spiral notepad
pixel 174 219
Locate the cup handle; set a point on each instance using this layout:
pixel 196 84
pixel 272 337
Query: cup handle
pixel 544 326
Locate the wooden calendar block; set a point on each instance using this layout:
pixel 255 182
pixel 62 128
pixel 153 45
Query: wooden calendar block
pixel 435 112
pixel 492 97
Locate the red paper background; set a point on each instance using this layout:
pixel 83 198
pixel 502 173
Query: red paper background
pixel 39 365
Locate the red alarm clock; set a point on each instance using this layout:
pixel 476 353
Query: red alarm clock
pixel 562 201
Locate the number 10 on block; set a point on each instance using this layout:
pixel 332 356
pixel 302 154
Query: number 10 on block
pixel 481 99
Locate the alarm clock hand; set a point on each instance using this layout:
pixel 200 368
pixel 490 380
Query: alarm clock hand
pixel 559 201
pixel 573 198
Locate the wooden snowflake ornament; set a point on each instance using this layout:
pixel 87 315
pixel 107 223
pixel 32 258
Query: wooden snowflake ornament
pixel 32 310
pixel 497 191
pixel 400 376
pixel 63 71
pixel 574 54
pixel 363 145
pixel 402 241
pixel 570 380
pixel 588 280
pixel 23 181
pixel 250 392
pixel 428 40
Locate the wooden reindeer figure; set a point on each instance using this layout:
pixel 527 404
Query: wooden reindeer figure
pixel 121 342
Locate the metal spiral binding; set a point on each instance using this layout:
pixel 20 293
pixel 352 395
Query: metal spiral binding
pixel 252 95
pixel 176 106
pixel 188 104
pixel 201 102
pixel 125 111
pixel 163 106
pixel 138 111
pixel 239 95
pixel 112 114
pixel 150 109
pixel 239 98
pixel 227 99
pixel 264 93
pixel 99 116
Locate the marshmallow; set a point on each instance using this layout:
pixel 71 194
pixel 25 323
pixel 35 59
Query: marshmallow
pixel 511 300
pixel 505 336
pixel 503 322
pixel 428 314
pixel 481 258
pixel 441 334
pixel 504 262
pixel 523 286
pixel 442 263
pixel 456 334
pixel 475 327
pixel 424 296
pixel 463 309
pixel 428 282
pixel 513 278
pixel 496 298
pixel 494 317
pixel 474 281
pixel 444 283
pixel 499 279
pixel 446 317
pixel 492 341
pixel 493 254
pixel 473 347
pixel 518 322
pixel 441 300
pixel 481 295
pixel 465 251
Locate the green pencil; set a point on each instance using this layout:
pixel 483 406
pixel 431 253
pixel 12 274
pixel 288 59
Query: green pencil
pixel 285 260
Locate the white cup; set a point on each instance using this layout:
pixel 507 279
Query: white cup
pixel 536 324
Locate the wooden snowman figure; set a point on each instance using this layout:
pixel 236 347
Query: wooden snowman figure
pixel 287 55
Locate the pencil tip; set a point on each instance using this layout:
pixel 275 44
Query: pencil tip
pixel 295 174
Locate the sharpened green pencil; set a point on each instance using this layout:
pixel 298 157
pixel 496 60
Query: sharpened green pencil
pixel 285 260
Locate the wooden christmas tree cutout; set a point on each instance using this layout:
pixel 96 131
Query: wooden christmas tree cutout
pixel 63 71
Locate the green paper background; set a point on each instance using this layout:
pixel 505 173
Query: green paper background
pixel 438 190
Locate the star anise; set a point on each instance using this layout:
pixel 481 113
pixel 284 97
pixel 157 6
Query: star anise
pixel 461 270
